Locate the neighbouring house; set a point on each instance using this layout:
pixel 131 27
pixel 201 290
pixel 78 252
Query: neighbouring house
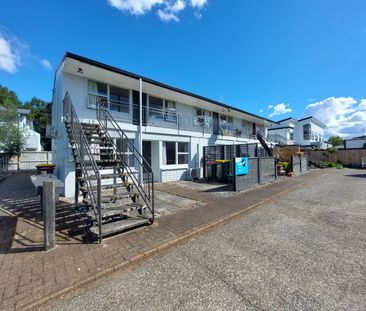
pixel 32 138
pixel 355 142
pixel 171 127
pixel 303 132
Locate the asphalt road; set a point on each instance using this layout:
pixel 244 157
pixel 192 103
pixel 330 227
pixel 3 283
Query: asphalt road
pixel 304 251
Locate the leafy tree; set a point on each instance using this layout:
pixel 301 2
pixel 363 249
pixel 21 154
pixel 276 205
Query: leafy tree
pixel 12 140
pixel 336 140
pixel 40 114
pixel 9 98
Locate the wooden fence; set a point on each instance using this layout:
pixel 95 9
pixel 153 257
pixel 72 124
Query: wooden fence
pixel 25 162
pixel 348 157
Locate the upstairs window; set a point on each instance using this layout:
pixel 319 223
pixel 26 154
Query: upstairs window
pixel 156 107
pixel 254 129
pixel 97 92
pixel 119 99
pixel 306 131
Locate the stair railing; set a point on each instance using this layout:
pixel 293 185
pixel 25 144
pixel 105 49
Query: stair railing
pixel 85 157
pixel 145 185
pixel 271 148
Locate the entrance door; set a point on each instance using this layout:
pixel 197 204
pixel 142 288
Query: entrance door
pixel 146 151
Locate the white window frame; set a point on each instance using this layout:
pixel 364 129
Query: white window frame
pixel 177 153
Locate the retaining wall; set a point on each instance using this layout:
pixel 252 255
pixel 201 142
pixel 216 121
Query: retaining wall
pixel 261 171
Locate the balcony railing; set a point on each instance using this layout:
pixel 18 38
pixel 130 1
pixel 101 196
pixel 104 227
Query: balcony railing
pixel 125 112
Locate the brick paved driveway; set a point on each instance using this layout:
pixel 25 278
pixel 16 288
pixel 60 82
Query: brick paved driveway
pixel 28 274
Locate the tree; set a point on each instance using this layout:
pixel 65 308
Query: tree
pixel 12 140
pixel 336 141
pixel 41 112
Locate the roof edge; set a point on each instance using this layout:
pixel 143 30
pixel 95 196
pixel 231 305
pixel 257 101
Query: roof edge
pixel 157 83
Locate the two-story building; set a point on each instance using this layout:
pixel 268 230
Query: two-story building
pixel 170 126
pixel 32 138
pixel 308 131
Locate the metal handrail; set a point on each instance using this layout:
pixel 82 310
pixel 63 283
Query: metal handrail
pixel 81 143
pixel 145 189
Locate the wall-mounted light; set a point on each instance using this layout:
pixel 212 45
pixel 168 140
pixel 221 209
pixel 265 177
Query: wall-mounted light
pixel 80 71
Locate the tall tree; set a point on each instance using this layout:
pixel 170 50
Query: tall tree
pixel 336 140
pixel 41 112
pixel 12 139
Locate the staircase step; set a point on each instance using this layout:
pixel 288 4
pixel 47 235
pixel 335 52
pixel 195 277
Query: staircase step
pixel 116 210
pixel 121 225
pixel 103 187
pixel 108 198
pixel 108 176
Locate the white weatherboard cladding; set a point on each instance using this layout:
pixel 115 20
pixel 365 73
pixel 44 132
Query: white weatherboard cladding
pixel 68 80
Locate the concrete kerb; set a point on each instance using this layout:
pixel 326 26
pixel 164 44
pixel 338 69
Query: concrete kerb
pixel 138 259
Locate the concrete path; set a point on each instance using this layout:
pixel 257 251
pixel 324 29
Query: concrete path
pixel 304 251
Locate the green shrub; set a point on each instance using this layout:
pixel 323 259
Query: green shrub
pixel 332 164
pixel 286 165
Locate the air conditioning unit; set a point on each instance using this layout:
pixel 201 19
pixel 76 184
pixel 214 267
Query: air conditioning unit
pixel 193 173
pixel 50 131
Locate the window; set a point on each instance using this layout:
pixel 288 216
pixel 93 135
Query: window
pixel 291 135
pixel 254 131
pixel 97 92
pixel 183 153
pixel 119 99
pixel 199 112
pixel 170 111
pixel 156 106
pixel 306 131
pixel 175 153
pixel 230 120
pixel 126 152
pixel 170 151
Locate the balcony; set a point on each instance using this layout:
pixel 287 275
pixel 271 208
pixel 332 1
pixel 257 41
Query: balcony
pixel 170 119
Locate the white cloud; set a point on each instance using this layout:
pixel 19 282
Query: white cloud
pixel 198 3
pixel 344 116
pixel 15 52
pixel 45 64
pixel 362 104
pixel 167 10
pixel 10 57
pixel 279 109
pixel 171 10
pixel 261 110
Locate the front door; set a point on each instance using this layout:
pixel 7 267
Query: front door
pixel 146 151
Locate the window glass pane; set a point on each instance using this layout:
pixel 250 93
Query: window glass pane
pixel 156 107
pixel 230 120
pixel 119 99
pixel 182 147
pixel 170 113
pixel 170 153
pixel 182 158
pixel 223 118
pixel 306 131
pixel 199 112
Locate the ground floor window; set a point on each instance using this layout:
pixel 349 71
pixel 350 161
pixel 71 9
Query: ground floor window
pixel 128 157
pixel 175 153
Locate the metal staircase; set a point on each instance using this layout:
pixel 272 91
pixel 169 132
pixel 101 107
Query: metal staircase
pixel 270 147
pixel 114 196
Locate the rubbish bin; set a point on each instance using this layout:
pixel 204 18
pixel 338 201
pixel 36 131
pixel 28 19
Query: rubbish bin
pixel 211 170
pixel 222 169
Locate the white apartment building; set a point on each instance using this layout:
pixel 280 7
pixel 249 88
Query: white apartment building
pixel 170 126
pixel 303 132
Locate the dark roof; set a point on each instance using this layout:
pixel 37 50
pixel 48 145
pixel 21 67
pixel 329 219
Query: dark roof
pixel 356 138
pixel 315 119
pixel 279 128
pixel 286 119
pixel 154 82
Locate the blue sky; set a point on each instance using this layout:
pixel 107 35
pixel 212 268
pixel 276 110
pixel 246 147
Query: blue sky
pixel 275 58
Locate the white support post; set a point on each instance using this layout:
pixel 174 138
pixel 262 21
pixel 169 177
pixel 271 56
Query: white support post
pixel 140 133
